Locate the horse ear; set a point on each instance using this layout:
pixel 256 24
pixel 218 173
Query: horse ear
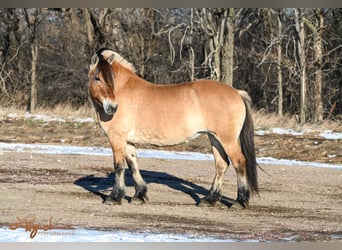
pixel 94 59
pixel 110 59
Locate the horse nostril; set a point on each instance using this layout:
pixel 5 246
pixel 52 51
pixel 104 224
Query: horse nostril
pixel 115 108
pixel 111 109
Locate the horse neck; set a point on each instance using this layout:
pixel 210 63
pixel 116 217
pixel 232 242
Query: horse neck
pixel 122 75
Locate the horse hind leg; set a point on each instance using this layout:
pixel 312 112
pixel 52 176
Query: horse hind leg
pixel 140 196
pixel 224 154
pixel 221 166
pixel 239 163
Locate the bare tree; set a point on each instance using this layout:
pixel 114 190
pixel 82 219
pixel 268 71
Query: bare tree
pixel 192 52
pixel 279 63
pixel 218 26
pixel 97 27
pixel 10 45
pixel 299 24
pixel 316 25
pixel 228 49
pixel 33 17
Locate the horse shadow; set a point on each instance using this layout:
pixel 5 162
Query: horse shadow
pixel 99 185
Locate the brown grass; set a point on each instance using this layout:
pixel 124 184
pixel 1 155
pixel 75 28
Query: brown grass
pixel 66 110
pixel 261 119
pixel 63 111
pixel 273 120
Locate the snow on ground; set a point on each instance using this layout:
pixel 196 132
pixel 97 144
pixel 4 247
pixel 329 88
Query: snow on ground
pixel 100 151
pixel 88 235
pixel 47 118
pixel 274 161
pixel 330 135
pixel 144 153
pixel 280 131
pixel 325 134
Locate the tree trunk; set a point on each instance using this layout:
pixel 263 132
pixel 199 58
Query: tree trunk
pixel 90 30
pixel 302 67
pixel 317 27
pixel 319 76
pixel 228 50
pixel 34 81
pixel 279 71
pixel 192 52
pixel 213 22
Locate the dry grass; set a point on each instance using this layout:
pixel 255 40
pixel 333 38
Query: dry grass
pixel 62 111
pixel 261 118
pixel 66 111
pixel 273 120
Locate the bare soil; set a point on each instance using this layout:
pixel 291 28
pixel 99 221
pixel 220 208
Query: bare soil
pixel 295 203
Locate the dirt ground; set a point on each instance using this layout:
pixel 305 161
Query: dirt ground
pixel 295 203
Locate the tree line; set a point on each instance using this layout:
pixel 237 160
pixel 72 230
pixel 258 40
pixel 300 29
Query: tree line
pixel 288 60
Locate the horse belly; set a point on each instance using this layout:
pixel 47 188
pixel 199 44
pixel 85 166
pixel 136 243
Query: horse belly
pixel 167 132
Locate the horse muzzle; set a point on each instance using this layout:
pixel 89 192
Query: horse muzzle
pixel 110 107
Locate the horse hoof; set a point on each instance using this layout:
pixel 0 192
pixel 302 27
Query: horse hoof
pixel 238 205
pixel 110 201
pixel 138 200
pixel 205 203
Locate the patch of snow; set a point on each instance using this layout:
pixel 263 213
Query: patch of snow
pixel 55 149
pixel 48 118
pixel 12 115
pixel 84 120
pixel 280 131
pixel 326 134
pixel 273 161
pixel 87 235
pixel 44 118
pixel 144 153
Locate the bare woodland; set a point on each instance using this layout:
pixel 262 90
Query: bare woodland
pixel 288 60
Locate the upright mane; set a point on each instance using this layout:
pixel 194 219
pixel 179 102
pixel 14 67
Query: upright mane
pixel 107 53
pixel 105 68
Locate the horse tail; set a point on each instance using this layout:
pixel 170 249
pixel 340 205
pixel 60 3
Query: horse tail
pixel 247 144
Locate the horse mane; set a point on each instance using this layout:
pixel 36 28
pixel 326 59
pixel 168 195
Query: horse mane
pixel 105 68
pixel 106 53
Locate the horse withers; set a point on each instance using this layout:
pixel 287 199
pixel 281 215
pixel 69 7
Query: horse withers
pixel 133 111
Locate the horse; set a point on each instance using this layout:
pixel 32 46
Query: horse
pixel 134 111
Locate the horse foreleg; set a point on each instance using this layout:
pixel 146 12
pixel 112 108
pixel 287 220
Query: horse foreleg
pixel 139 183
pixel 118 192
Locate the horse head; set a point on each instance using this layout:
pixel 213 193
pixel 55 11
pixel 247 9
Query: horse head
pixel 101 83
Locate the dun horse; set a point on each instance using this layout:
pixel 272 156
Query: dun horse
pixel 131 110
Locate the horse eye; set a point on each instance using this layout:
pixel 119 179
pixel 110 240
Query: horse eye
pixel 97 78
